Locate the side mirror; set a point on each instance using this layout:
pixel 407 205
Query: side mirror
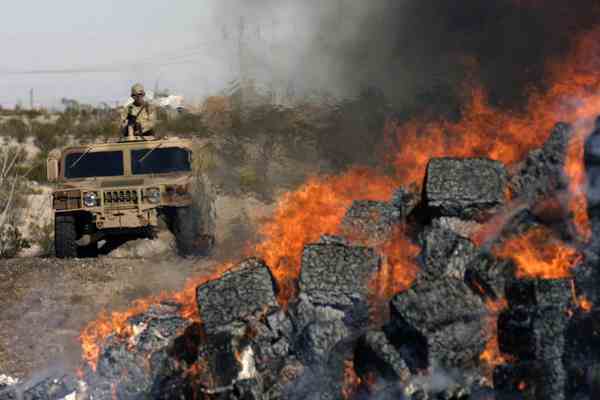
pixel 52 167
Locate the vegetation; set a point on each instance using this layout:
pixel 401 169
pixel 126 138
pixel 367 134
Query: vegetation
pixel 11 195
pixel 253 151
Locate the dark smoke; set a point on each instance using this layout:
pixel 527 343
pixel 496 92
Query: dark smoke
pixel 419 52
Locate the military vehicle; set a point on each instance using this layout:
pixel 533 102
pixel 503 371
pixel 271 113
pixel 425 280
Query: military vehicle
pixel 124 189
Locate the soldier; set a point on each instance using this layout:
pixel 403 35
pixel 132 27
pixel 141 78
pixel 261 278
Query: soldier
pixel 139 117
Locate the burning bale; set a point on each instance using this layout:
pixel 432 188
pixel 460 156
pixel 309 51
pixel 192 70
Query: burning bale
pixel 374 221
pixel 443 318
pixel 464 188
pixel 241 294
pixel 533 330
pixel 542 173
pixel 336 276
pixel 128 367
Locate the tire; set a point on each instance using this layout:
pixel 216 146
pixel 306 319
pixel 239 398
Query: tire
pixel 185 229
pixel 65 236
pixel 90 251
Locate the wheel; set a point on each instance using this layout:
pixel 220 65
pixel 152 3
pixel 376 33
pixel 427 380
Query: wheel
pixel 185 229
pixel 89 251
pixel 65 236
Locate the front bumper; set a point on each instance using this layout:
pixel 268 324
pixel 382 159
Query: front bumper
pixel 122 207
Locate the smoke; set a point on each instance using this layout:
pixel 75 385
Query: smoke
pixel 418 52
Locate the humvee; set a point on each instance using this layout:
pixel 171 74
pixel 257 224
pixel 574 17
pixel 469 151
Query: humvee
pixel 124 189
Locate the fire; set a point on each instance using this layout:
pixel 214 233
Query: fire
pixel 585 304
pixel 351 381
pixel 573 95
pixel 492 229
pixel 315 209
pixel 115 323
pixel 399 269
pixel 537 253
pixel 491 355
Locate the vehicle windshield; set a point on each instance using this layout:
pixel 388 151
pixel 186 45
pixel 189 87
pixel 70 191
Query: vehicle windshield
pixel 160 160
pixel 91 164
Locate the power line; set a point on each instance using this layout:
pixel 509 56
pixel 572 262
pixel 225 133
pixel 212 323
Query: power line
pixel 184 56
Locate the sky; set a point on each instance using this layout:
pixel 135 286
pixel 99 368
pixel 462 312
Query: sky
pixel 417 51
pixel 95 50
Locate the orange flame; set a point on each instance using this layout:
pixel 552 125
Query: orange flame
pixel 538 254
pixel 585 304
pixel 351 381
pixel 315 209
pixel 95 333
pixel 491 355
pixel 399 269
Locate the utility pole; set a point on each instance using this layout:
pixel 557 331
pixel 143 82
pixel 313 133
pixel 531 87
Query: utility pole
pixel 241 50
pixel 31 99
pixel 242 61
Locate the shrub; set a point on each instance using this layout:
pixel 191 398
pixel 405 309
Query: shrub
pixel 182 124
pixel 15 128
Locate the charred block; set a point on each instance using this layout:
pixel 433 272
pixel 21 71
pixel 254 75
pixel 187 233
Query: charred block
pixel 371 220
pixel 457 345
pixel 539 292
pixel 464 187
pixel 511 380
pixel 429 305
pixel 550 380
pixel 542 172
pixel 442 319
pixel 337 275
pixel 218 357
pixel 51 388
pixel 376 355
pixel 583 340
pixel 514 332
pixel 318 339
pixel 243 293
pixel 587 281
pixel 533 333
pixel 446 254
pixel 488 276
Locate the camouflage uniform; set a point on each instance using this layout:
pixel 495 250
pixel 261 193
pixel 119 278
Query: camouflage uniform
pixel 144 117
pixel 141 117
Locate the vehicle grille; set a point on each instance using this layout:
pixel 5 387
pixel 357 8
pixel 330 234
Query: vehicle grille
pixel 120 197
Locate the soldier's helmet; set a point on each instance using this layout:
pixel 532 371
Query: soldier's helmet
pixel 136 89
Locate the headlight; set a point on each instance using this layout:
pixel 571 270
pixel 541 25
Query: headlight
pixel 90 199
pixel 152 195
